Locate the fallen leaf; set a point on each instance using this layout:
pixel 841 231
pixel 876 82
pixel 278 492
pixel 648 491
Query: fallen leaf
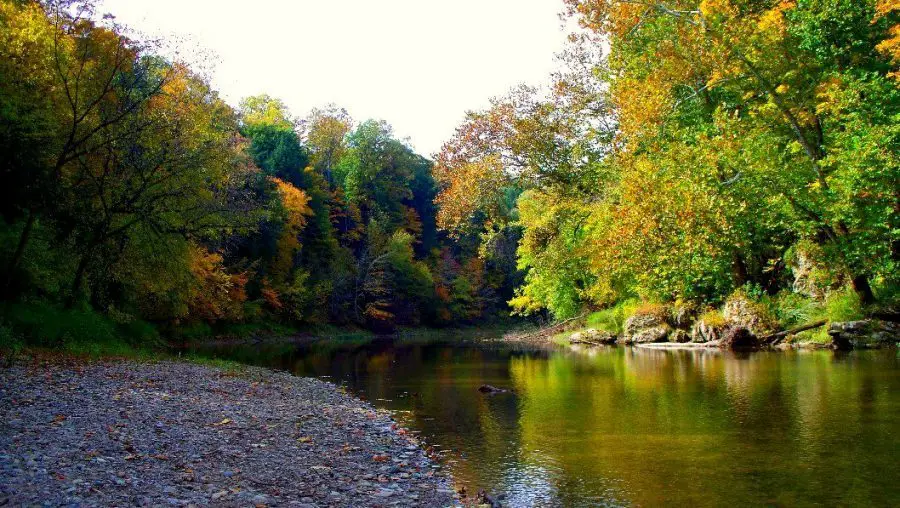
pixel 226 421
pixel 304 439
pixel 380 458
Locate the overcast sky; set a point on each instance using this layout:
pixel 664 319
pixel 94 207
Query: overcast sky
pixel 419 64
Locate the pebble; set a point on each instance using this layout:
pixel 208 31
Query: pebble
pixel 118 433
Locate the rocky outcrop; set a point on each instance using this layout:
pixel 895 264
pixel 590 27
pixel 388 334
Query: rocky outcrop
pixel 680 335
pixel 684 314
pixel 812 277
pixel 490 389
pixel 643 328
pixel 592 336
pixel 737 338
pixel 866 333
pixel 707 330
pixel 739 311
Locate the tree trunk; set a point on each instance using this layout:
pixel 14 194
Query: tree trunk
pixel 863 289
pixel 20 252
pixel 79 277
pixel 739 270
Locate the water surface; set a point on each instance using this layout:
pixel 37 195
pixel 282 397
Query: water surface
pixel 627 426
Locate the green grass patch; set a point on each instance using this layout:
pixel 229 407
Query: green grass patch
pixel 713 318
pixel 77 331
pixel 216 363
pixel 793 309
pixel 613 319
pixel 844 305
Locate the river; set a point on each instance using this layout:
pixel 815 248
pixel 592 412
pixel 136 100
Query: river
pixel 624 426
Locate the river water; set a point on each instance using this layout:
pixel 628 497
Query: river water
pixel 627 426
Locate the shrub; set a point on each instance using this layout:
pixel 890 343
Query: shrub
pixel 793 309
pixel 713 318
pixel 9 339
pixel 613 319
pixel 843 305
pixel 43 324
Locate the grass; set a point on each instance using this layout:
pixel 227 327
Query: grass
pixel 613 319
pixel 713 318
pixel 75 331
pixel 844 305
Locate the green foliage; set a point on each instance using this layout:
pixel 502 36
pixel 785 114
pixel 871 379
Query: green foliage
pixel 713 318
pixel 78 331
pixel 844 305
pixel 794 309
pixel 612 319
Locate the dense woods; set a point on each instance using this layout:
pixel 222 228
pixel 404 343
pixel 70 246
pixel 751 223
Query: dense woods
pixel 134 197
pixel 693 150
pixel 688 151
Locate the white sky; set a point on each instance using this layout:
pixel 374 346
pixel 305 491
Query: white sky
pixel 419 64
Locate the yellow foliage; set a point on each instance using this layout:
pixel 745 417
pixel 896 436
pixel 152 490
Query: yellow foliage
pixel 215 294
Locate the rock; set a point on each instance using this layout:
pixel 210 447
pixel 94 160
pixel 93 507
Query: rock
pixel 737 338
pixel 103 439
pixel 684 314
pixel 655 334
pixel 707 330
pixel 866 333
pixel 593 336
pixel 680 335
pixel 812 278
pixel 742 312
pixel 642 328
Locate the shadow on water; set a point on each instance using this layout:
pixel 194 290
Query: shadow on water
pixel 623 426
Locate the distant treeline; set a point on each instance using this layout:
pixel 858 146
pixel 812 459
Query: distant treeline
pixel 131 190
pixel 691 149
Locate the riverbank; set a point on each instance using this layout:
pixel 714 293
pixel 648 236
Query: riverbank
pixel 172 433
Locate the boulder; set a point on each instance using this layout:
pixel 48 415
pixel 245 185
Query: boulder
pixel 738 338
pixel 592 336
pixel 680 335
pixel 684 314
pixel 706 331
pixel 812 277
pixel 641 328
pixel 739 311
pixel 866 333
pixel 655 334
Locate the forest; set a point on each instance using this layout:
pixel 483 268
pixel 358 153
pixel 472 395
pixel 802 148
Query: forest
pixel 687 151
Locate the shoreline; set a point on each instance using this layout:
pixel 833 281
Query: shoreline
pixel 121 432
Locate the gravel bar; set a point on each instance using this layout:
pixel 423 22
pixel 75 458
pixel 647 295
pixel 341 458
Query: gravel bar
pixel 120 433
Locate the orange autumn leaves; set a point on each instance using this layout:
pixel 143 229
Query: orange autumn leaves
pixel 219 295
pixel 296 208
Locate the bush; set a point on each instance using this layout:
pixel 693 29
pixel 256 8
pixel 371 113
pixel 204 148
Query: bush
pixel 613 318
pixel 9 339
pixel 713 318
pixel 792 309
pixel 843 305
pixel 75 330
pixel 43 324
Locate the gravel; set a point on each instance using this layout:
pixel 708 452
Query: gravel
pixel 119 433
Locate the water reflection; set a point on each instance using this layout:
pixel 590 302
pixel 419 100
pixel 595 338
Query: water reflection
pixel 623 426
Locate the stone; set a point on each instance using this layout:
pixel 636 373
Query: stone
pixel 680 335
pixel 684 314
pixel 737 338
pixel 592 335
pixel 742 312
pixel 655 334
pixel 866 333
pixel 706 331
pixel 642 328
